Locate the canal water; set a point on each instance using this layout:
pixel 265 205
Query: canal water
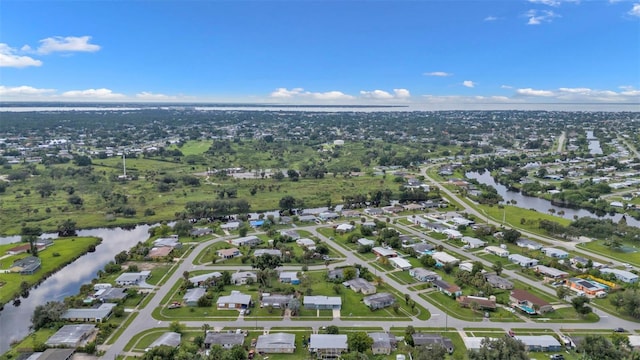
pixel 542 205
pixel 15 320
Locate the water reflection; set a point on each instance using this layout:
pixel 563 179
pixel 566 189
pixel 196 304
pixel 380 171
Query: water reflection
pixel 15 320
pixel 542 205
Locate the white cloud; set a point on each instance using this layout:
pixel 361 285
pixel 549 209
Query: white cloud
pixel 506 87
pixel 23 91
pixel 299 93
pixel 635 10
pixel 469 83
pixel 438 73
pixel 538 17
pixel 9 58
pixel 554 3
pixel 99 94
pixel 67 44
pixel 401 93
pixel 145 95
pixel 376 94
pixel 490 18
pixel 533 92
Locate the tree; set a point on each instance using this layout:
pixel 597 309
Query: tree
pixel 408 335
pixel 597 347
pixel 293 175
pixel 294 306
pixel 47 314
pixel 359 341
pixel 435 352
pixel 67 228
pixel 266 261
pixel 497 267
pixel 332 329
pixel 511 235
pixel 121 257
pixel 562 292
pixel 176 326
pixel 182 227
pixel 288 203
pixel 504 348
pixel 82 160
pixel 579 303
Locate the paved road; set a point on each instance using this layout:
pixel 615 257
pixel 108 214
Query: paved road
pixel 561 141
pixel 144 319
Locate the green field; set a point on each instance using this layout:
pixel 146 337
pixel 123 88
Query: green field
pixel 599 247
pixel 62 252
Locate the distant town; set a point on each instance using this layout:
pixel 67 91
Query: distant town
pixel 194 232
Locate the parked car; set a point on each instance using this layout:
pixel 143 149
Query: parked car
pixel 556 357
pixel 619 330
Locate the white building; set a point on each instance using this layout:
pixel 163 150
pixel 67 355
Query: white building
pixel 443 258
pixel 400 263
pixel 622 275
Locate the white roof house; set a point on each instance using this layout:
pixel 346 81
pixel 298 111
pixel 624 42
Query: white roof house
pixel 231 225
pixel 473 242
pixel 452 233
pixel 276 343
pixel 622 275
pixel 308 243
pixel 251 240
pixel 400 263
pixel 380 251
pixel 540 343
pixel 522 260
pixel 366 242
pixel 329 345
pixel 495 250
pixel 72 335
pixel 199 279
pixel 443 258
pixel 345 227
pixel 169 338
pixel 131 278
pixel 475 343
pixel 551 272
pixel 462 221
pixel 555 253
pixel 192 296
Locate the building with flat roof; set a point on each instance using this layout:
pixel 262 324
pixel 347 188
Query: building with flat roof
pixel 498 282
pixel 400 263
pixel 379 301
pixel 236 300
pixel 622 275
pixel 192 296
pixel 99 314
pixel 169 338
pixel 360 285
pixel 384 252
pixel 555 253
pixel 133 278
pixel 422 274
pixel 523 260
pixel 226 340
pixel 243 277
pixel 550 272
pixel 26 266
pixel 540 343
pixel 429 340
pixel 276 343
pixel 442 258
pixel 272 252
pixel 278 301
pixel 250 241
pixel 383 342
pixel 328 346
pixel 72 335
pixel 322 302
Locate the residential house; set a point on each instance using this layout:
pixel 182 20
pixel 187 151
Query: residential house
pixel 26 266
pixel 550 272
pixel 338 273
pixel 546 343
pixel 168 338
pixel 272 252
pixel 192 296
pixel 322 302
pixel 328 346
pixel 585 286
pixel 622 275
pixel 373 211
pixel 276 343
pixel 423 248
pixel 226 340
pixel 529 303
pixel 290 233
pixel 205 280
pixel 446 288
pixel 343 228
pixel 555 253
pixel 482 302
pixel 383 343
pixel 230 226
pixel 236 300
pixel 360 285
pixel 249 241
pixel 52 354
pixel 379 301
pixel 432 226
pixel 429 340
pixel 529 244
pixel 243 277
pixel 392 209
pixel 228 253
pixel 159 252
pixel 289 277
pixel 498 251
pixel 422 274
pixel 498 282
pixel 72 336
pixel 328 215
pixel 523 260
pixel 400 263
pixel 198 232
pixel 23 249
pixel 133 278
pixel 110 294
pixel 96 314
pixel 277 301
pixel 460 221
pixel 452 233
pixel 472 242
pixel 307 218
pixel 366 242
pixel 384 252
pixel 466 266
pixel 306 243
pixel 171 241
pixel 442 258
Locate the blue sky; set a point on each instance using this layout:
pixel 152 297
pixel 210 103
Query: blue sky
pixel 509 51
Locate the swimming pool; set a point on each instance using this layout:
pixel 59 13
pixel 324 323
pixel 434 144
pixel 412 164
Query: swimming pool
pixel 527 309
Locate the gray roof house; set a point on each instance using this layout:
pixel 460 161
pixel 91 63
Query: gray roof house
pixel 327 346
pixel 555 253
pixel 242 277
pixel 522 260
pixel 52 354
pixel 379 301
pixel 226 340
pixel 192 296
pixel 276 300
pixel 132 278
pixel 338 273
pixel 322 302
pixel 250 241
pixel 422 274
pixel 98 314
pixel 360 285
pixel 498 282
pixel 540 343
pixel 27 266
pixel 110 294
pixel 383 343
pixel 428 340
pixel 236 300
pixel 276 343
pixel 272 252
pixel 72 335
pixel 205 279
pixel 529 244
pixel 169 338
pixel 622 275
pixel 423 248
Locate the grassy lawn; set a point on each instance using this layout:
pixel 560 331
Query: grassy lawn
pixel 567 314
pixel 27 344
pixel 61 253
pixel 451 307
pixel 599 247
pixel 157 273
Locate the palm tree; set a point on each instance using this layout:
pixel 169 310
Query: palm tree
pixel 205 328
